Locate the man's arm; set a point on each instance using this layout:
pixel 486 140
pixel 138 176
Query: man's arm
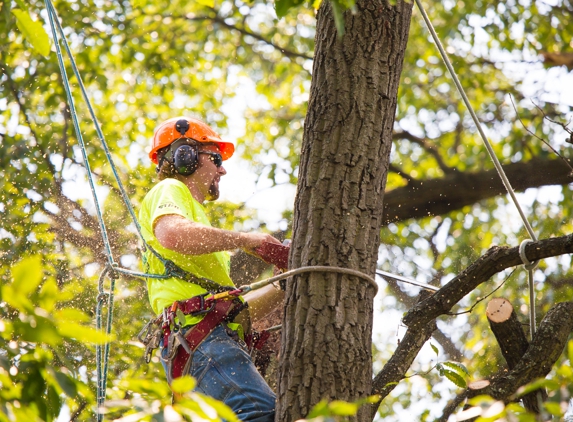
pixel 187 237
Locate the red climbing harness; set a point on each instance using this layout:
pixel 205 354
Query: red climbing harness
pixel 168 329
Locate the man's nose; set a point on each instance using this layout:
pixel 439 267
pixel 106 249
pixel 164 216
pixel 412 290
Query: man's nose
pixel 221 170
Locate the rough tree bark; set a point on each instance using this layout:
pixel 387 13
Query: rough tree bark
pixel 326 336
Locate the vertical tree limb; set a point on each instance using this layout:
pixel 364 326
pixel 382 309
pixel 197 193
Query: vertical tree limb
pixel 509 334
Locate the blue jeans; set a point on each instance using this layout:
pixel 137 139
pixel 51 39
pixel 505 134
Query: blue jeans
pixel 224 370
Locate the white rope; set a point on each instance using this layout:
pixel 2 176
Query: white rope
pixel 486 142
pixel 529 266
pixel 491 153
pixel 385 275
pixel 318 268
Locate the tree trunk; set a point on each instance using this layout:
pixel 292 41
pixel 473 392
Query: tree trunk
pixel 327 331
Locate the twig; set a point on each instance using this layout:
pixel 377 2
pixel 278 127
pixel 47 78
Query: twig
pixel 429 147
pixel 401 173
pixel 481 299
pixel 541 139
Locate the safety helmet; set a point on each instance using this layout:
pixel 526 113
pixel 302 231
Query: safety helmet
pixel 187 127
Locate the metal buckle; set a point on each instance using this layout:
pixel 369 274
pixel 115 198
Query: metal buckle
pixel 147 330
pixel 204 310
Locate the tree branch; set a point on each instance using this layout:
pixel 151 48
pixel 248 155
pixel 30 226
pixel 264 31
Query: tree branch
pixel 496 259
pixel 458 189
pixel 429 147
pixel 246 32
pixel 395 369
pixel 509 334
pixel 543 352
pixel 421 319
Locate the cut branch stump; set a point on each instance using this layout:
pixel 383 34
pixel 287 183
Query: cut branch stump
pixel 511 338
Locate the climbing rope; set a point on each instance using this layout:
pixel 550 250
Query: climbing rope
pixel 491 153
pixel 112 268
pixel 55 23
pixel 318 268
pixel 529 266
pixel 102 356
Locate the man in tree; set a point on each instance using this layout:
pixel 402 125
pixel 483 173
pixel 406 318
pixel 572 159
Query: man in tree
pixel 201 337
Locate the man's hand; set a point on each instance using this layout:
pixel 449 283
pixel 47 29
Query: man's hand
pixel 251 241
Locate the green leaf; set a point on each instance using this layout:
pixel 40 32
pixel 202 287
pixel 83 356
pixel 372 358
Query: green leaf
pixel 342 408
pixel 16 299
pixel 553 408
pixel 223 411
pixel 147 387
pixel 337 11
pixel 435 349
pixel 33 31
pixel 27 274
pixel 70 314
pixel 319 409
pixel 334 408
pixel 82 333
pixel 536 385
pixel 282 6
pixel 49 295
pixel 454 377
pixel 183 384
pixel 67 384
pixel 42 330
pixel 457 367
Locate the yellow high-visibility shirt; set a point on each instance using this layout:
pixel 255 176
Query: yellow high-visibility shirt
pixel 171 196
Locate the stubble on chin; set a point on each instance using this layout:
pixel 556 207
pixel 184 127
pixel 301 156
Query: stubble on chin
pixel 213 192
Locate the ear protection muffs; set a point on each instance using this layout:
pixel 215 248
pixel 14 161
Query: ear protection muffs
pixel 184 157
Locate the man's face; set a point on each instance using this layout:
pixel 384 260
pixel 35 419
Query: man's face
pixel 208 174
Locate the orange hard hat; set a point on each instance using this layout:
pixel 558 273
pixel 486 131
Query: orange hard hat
pixel 187 127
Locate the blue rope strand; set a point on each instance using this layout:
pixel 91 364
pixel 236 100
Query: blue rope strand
pixel 102 356
pixel 108 332
pixel 51 16
pixel 101 137
pixel 98 128
pixel 100 389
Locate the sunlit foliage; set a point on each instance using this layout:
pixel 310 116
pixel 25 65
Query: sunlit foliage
pixel 236 62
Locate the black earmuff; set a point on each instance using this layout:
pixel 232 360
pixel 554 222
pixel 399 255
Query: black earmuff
pixel 186 159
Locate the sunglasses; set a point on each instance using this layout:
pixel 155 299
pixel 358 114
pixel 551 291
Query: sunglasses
pixel 215 157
